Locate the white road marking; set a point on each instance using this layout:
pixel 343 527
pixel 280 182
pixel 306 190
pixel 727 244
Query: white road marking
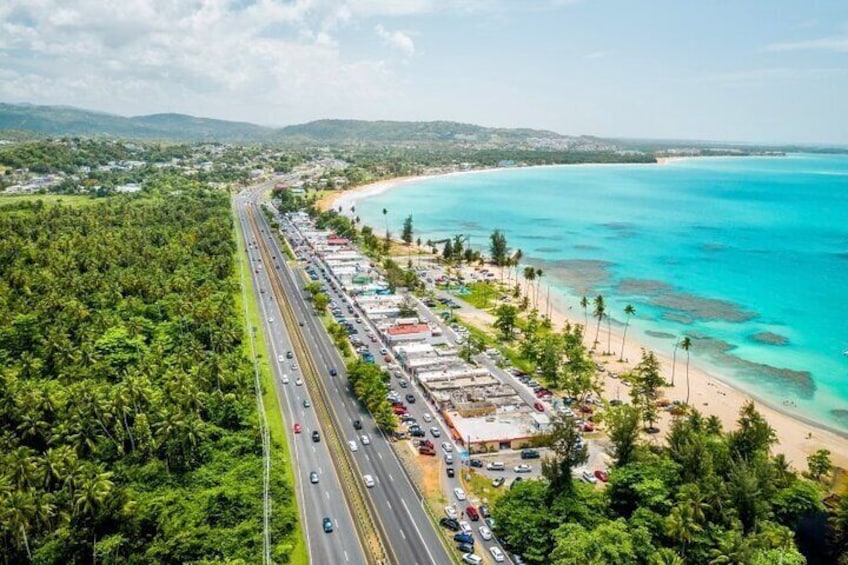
pixel 403 535
pixel 391 478
pixel 380 455
pixel 346 557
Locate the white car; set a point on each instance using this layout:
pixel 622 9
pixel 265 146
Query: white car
pixel 523 468
pixel 428 418
pixel 369 480
pixel 353 446
pixel 459 493
pixel 299 381
pixel 294 366
pixel 465 527
pixel 450 512
pixel 365 439
pixel 447 447
pixel 485 533
pixel 285 379
pixel 589 477
pixel 281 359
pixel 472 559
pixel 497 554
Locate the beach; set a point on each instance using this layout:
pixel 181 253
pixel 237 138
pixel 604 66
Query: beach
pixel 708 393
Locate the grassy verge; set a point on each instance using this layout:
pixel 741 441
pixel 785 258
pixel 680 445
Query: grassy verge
pixel 281 460
pixel 482 295
pixel 481 486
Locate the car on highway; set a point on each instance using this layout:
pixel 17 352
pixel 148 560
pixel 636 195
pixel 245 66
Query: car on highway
pixel 365 439
pixel 298 381
pixel 297 428
pixel 285 379
pixel 294 366
pixel 327 524
pixel 435 431
pixel 357 424
pixel 447 447
pixel 313 478
pixel 472 559
pixel 353 446
pixel 497 554
pixel 306 403
pixel 333 372
pixel 403 384
pixel 448 459
pixel 289 355
pixel 459 494
pixel 485 533
pixel 523 468
pixel 368 480
pixel 451 473
pixel 427 417
pixel 410 398
pixel 269 319
pixel 281 359
pixel 450 512
pixel 316 436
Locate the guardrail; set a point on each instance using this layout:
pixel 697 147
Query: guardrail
pixel 369 528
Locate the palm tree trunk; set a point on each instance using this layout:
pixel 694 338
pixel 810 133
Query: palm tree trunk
pixel 623 337
pixel 687 377
pixel 674 360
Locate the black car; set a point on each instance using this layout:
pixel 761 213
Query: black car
pixel 483 510
pixel 333 372
pixel 529 454
pixel 289 355
pixel 451 473
pixel 328 525
pixel 476 463
pixel 357 424
pixel 450 524
pixel 417 433
pixel 410 398
pixel 464 538
pixel 316 437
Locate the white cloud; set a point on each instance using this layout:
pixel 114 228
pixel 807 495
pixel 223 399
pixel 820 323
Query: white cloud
pixel 837 43
pixel 396 39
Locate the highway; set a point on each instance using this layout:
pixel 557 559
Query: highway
pixel 316 501
pixel 399 509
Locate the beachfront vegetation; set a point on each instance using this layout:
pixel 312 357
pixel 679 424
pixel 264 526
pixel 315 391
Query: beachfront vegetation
pixel 696 499
pixel 498 248
pixel 127 409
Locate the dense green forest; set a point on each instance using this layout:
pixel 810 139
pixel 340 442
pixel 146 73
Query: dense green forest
pixel 128 431
pixel 706 496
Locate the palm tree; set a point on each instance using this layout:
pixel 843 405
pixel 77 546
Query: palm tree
pixel 386 217
pixel 539 274
pixel 674 359
pixel 682 525
pixel 629 310
pixel 609 335
pixel 685 344
pixel 516 261
pixel 529 276
pixel 600 310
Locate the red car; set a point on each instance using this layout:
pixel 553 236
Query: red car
pixel 601 475
pixel 538 406
pixel 297 428
pixel 588 427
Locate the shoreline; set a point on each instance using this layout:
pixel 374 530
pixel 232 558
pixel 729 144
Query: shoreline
pixel 798 436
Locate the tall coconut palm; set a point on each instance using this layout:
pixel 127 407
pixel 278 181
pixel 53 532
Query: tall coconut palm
pixel 600 310
pixel 386 218
pixel 539 274
pixel 685 345
pixel 584 302
pixel 629 310
pixel 516 261
pixel 609 334
pixel 529 276
pixel 674 359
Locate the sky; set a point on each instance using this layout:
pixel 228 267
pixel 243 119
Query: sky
pixel 772 71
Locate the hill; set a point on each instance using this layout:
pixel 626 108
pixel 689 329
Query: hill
pixel 66 121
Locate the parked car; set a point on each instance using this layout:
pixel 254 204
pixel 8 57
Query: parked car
pixel 523 468
pixel 589 477
pixel 484 510
pixel 447 447
pixel 435 431
pixel 601 475
pixel 485 533
pixel 465 547
pixel 472 559
pixel 497 554
pixel 450 524
pixel 450 472
pixel 450 512
pixel 498 481
pixel 410 398
pixel 460 494
pixel 472 513
pixel 462 537
pixel 538 406
pixel 529 454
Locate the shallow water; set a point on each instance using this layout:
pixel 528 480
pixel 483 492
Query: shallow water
pixel 748 256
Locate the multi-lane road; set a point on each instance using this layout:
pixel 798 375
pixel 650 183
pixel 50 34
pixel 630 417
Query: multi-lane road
pixel 399 511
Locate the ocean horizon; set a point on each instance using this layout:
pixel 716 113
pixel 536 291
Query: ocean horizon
pixel 748 256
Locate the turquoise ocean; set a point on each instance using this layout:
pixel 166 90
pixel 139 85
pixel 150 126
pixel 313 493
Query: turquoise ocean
pixel 746 255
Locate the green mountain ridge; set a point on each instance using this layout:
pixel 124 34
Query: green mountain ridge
pixel 69 121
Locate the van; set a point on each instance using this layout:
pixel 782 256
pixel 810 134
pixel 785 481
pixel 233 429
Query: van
pixel 496 466
pixel 472 559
